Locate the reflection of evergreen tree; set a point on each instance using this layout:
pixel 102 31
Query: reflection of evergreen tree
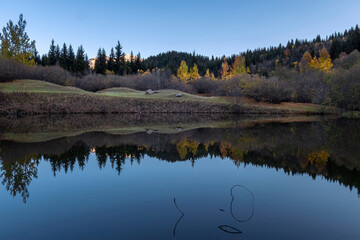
pixel 101 156
pixel 67 160
pixel 327 149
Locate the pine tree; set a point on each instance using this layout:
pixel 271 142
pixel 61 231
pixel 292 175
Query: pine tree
pixel 81 64
pixel 132 63
pixel 335 49
pixel 45 60
pixel 138 64
pixel 37 57
pixel 110 63
pixel 100 63
pixel 64 57
pixel 52 53
pixel 119 60
pixel 71 59
pixel 57 55
pixel 16 44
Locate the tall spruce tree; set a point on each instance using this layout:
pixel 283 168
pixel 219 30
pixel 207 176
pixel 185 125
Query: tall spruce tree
pixel 131 64
pixel 71 59
pixel 52 53
pixel 45 60
pixel 81 64
pixel 100 63
pixel 57 55
pixel 138 64
pixel 64 57
pixel 119 60
pixel 110 63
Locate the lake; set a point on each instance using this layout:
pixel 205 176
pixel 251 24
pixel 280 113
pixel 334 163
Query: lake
pixel 179 177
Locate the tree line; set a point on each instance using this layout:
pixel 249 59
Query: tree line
pixel 322 71
pixel 116 63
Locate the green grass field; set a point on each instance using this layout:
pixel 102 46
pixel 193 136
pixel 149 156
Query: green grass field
pixel 159 94
pixel 34 86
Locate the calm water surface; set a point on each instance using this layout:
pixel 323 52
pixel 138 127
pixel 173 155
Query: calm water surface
pixel 250 179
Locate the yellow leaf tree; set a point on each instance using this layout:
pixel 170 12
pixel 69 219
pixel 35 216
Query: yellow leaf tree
pixel 183 72
pixel 323 63
pixel 209 75
pixel 194 73
pixel 325 60
pixel 225 70
pixel 305 62
pixel 239 66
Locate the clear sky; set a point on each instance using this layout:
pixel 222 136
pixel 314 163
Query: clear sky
pixel 210 27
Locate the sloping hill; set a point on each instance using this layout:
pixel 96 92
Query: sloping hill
pixel 36 86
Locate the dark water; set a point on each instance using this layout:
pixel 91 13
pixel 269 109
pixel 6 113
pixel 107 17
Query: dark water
pixel 231 179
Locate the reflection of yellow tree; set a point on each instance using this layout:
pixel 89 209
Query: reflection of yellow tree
pixel 319 158
pixel 237 155
pixel 224 149
pixel 185 146
pixel 18 175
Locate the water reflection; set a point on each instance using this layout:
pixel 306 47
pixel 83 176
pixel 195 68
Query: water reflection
pixel 323 148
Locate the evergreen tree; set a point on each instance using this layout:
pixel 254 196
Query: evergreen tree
pixel 57 55
pixel 16 44
pixel 335 49
pixel 52 53
pixel 71 59
pixel 111 63
pixel 37 57
pixel 100 63
pixel 64 57
pixel 45 60
pixel 119 60
pixel 132 63
pixel 81 63
pixel 138 64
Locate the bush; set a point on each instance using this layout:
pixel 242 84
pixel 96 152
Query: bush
pixel 259 88
pixel 206 86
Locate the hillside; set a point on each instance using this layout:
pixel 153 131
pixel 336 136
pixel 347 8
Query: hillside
pixel 264 60
pixel 38 97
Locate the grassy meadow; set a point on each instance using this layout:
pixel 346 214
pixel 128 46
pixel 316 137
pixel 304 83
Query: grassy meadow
pixel 39 97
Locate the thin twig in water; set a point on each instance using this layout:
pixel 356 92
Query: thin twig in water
pixel 182 214
pixel 232 200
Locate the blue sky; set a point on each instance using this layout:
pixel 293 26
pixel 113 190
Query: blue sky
pixel 210 27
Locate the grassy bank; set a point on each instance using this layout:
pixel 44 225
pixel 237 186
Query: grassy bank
pixel 37 97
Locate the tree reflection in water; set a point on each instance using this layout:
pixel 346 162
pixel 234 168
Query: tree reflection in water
pixel 328 149
pixel 16 176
